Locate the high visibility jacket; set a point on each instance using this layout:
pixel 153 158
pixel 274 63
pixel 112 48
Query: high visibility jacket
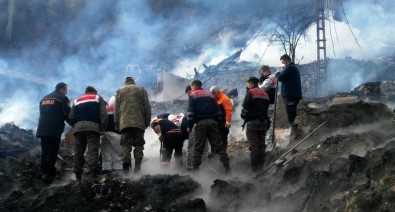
pixel 225 105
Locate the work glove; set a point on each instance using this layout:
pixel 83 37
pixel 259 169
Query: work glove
pixel 228 124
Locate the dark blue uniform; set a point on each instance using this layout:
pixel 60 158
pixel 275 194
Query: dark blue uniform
pixel 254 112
pixel 204 112
pixel 54 110
pixel 173 139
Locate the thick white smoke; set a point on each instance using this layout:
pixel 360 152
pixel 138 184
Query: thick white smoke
pixel 99 43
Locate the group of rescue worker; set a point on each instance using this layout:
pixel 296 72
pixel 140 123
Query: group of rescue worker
pixel 112 131
pixel 116 129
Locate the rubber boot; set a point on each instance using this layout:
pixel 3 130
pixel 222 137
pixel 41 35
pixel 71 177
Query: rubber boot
pixel 126 167
pixel 137 167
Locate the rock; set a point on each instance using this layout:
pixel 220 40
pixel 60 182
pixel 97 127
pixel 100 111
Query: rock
pixel 195 205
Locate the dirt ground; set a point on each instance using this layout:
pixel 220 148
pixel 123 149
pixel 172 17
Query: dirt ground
pixel 346 165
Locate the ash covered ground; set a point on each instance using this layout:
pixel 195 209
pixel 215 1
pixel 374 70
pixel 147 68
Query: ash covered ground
pixel 345 165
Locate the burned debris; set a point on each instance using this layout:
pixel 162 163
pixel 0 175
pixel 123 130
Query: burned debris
pixel 110 193
pixel 346 165
pixel 15 141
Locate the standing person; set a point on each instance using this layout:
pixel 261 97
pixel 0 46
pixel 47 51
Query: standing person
pixel 132 116
pixel 203 112
pixel 89 119
pixel 191 144
pixel 254 113
pixel 111 142
pixel 225 104
pixel 172 139
pixel 54 110
pixel 291 90
pixel 268 83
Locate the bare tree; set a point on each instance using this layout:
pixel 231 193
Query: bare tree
pixel 292 24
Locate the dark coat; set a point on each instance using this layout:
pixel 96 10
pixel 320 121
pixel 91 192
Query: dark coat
pixel 291 84
pixel 255 105
pixel 89 114
pixel 54 110
pixel 202 105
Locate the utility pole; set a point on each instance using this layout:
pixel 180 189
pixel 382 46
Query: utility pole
pixel 321 47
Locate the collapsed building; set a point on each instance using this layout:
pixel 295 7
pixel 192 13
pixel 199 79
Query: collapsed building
pixel 343 75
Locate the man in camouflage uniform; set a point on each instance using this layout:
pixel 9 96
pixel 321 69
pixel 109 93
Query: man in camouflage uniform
pixel 132 116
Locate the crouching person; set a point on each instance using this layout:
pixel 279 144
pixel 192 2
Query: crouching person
pixel 89 118
pixel 111 142
pixel 172 139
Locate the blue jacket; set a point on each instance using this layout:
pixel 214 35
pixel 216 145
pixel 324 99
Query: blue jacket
pixel 54 110
pixel 202 105
pixel 291 85
pixel 87 108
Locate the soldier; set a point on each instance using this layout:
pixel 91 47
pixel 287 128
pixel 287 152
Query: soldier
pixel 254 113
pixel 191 144
pixel 203 112
pixel 89 119
pixel 132 116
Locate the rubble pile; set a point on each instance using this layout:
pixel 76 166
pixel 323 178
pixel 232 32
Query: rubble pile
pixel 174 107
pixel 345 165
pixel 247 196
pixel 338 161
pixel 110 193
pixel 15 141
